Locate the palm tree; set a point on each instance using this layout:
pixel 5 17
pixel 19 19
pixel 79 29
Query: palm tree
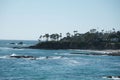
pixel 68 34
pixel 114 30
pixel 47 36
pixel 57 36
pixel 52 36
pixel 93 31
pixel 60 36
pixel 40 38
pixel 102 31
pixel 75 32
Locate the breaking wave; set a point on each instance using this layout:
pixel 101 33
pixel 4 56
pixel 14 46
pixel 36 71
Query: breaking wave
pixel 29 57
pixel 4 57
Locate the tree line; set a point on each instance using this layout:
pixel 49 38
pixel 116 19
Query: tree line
pixel 93 39
pixel 53 37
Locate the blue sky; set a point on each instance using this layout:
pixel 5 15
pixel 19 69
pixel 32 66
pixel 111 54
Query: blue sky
pixel 27 19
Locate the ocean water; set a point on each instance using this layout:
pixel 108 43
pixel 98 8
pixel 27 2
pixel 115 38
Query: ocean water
pixel 54 64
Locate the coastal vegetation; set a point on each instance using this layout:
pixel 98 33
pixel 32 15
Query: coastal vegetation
pixel 93 39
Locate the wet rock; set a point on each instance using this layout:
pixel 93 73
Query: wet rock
pixel 12 43
pixel 20 43
pixel 15 56
pixel 113 77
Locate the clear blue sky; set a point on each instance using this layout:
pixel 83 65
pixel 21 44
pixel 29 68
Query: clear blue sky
pixel 27 19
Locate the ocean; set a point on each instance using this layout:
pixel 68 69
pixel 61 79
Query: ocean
pixel 54 64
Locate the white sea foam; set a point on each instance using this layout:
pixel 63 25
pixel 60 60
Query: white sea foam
pixel 4 48
pixel 9 48
pixel 71 62
pixel 18 49
pixel 54 57
pixel 49 57
pixel 13 54
pixel 4 57
pixel 115 78
pixel 55 53
pixel 40 58
pixel 7 56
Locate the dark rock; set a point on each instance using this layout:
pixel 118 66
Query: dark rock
pixel 17 48
pixel 114 54
pixel 20 43
pixel 118 76
pixel 109 76
pixel 12 43
pixel 22 57
pixel 113 77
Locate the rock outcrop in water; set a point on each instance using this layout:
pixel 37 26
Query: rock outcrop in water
pixel 33 57
pixel 20 43
pixel 22 56
pixel 113 77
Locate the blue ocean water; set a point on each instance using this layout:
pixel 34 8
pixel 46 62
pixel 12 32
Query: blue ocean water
pixel 60 64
